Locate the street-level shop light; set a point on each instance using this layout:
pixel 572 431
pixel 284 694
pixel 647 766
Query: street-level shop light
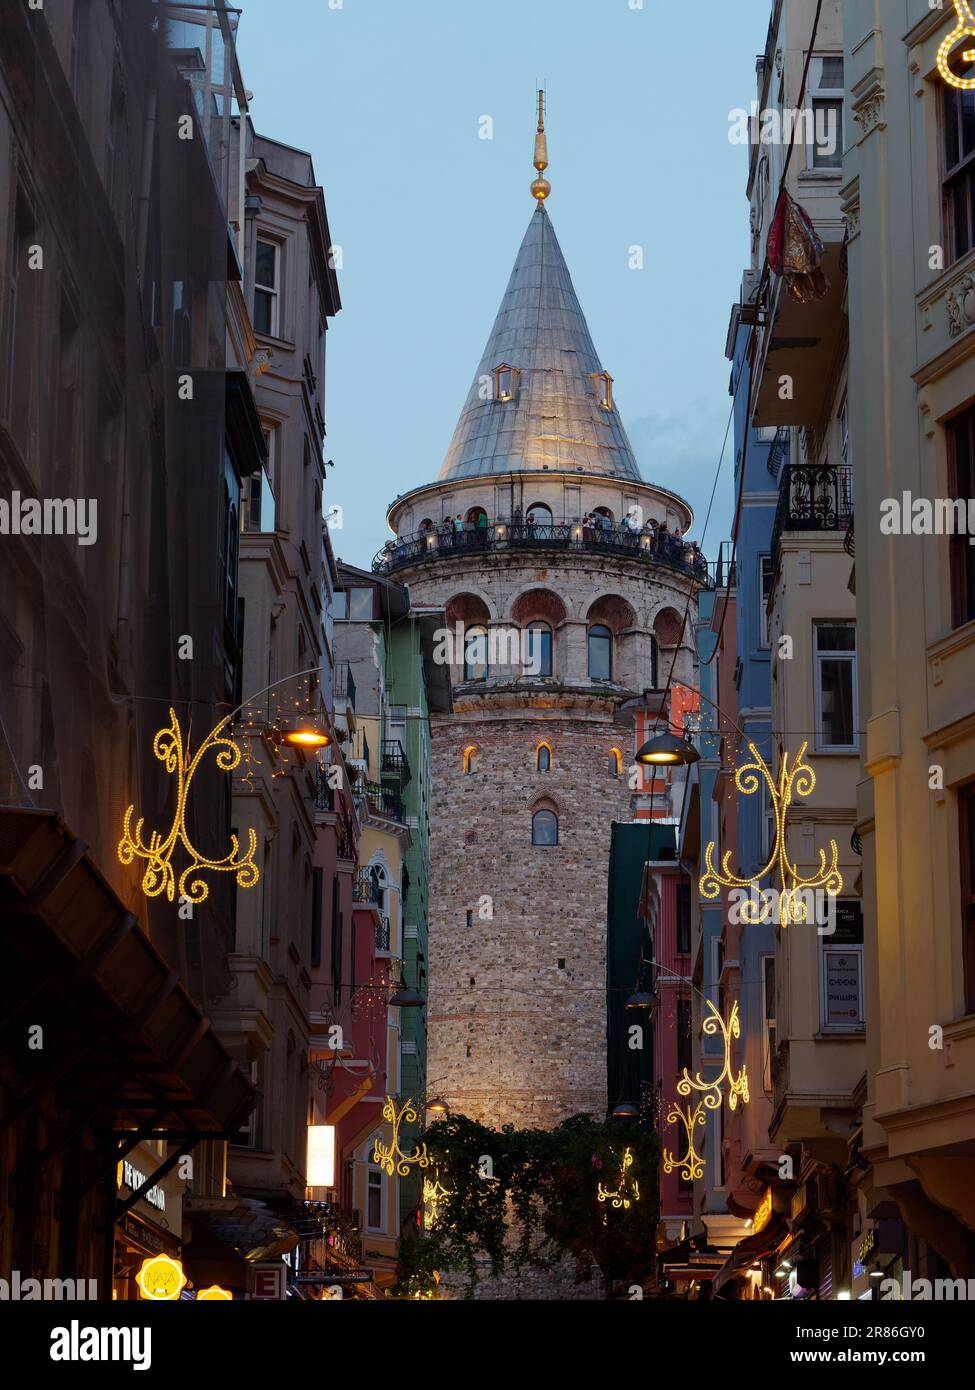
pixel 437 1106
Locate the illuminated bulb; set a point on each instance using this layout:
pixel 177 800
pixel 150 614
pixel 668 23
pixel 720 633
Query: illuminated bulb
pixel 965 28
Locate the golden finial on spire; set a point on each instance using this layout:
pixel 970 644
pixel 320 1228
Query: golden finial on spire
pixel 541 187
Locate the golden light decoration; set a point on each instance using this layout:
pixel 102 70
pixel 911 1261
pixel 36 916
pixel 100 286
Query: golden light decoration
pixel 621 1196
pixel 159 876
pixel 964 29
pixel 434 1193
pixel 161 1279
pixel 390 1156
pixel 799 781
pixel 214 1294
pixel 738 1085
pixel 690 1163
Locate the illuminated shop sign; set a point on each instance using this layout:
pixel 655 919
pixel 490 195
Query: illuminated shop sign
pixel 132 1179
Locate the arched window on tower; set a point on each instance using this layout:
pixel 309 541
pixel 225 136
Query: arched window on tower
pixel 543 757
pixel 538 650
pixel 471 754
pixel 615 762
pixel 476 654
pixel 600 653
pixel 545 828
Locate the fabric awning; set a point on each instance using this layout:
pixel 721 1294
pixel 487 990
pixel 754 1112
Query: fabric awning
pixel 752 1248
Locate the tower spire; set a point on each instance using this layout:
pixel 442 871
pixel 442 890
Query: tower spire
pixel 541 187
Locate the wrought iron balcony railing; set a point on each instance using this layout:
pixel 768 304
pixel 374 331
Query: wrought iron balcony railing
pixel 383 802
pixel 324 795
pixel 394 763
pixel 345 846
pixel 382 935
pixel 813 498
pixel 365 889
pixel 506 534
pixel 779 451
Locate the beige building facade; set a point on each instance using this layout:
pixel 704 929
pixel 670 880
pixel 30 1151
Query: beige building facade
pixel 907 198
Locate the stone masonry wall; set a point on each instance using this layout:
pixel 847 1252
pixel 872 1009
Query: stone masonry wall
pixel 517 1012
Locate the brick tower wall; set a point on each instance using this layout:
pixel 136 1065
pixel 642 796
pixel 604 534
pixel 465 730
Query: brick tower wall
pixel 517 1012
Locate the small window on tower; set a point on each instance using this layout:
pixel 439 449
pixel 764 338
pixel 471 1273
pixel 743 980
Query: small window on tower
pixel 544 757
pixel 604 385
pixel 505 382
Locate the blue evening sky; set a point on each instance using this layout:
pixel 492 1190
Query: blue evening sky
pixel 388 95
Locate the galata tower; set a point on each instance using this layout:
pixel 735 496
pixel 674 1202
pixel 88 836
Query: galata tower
pixel 563 577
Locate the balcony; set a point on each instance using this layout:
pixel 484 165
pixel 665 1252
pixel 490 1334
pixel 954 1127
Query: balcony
pixel 394 764
pixel 508 535
pixel 382 934
pixel 345 845
pixel 723 572
pixel 365 889
pixel 383 802
pixel 324 795
pixel 813 498
pixel 800 342
pixel 779 452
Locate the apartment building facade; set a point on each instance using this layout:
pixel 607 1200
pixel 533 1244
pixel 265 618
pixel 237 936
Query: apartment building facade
pixel 912 426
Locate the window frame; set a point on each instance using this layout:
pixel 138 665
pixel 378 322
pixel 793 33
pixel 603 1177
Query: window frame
pixel 769 1020
pixel 590 631
pixel 545 844
pixel 764 626
pixel 827 948
pixel 831 96
pixel 961 555
pixel 966 843
pixel 374 1171
pixel 476 631
pixel 683 927
pixel 955 176
pixel 848 657
pixel 264 238
pixel 545 748
pixel 546 667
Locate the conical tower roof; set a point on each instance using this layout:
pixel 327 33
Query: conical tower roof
pixel 561 414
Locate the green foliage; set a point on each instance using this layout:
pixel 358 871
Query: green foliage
pixel 529 1197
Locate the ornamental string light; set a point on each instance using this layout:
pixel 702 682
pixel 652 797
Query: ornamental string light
pixel 799 781
pixel 434 1193
pixel 712 1095
pixel 159 876
pixel 627 1190
pixel 690 1163
pixel 390 1156
pixel 964 29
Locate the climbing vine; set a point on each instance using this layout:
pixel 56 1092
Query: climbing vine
pixel 528 1197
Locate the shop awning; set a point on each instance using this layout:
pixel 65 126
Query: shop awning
pixel 247 1226
pixel 124 1044
pixel 754 1247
